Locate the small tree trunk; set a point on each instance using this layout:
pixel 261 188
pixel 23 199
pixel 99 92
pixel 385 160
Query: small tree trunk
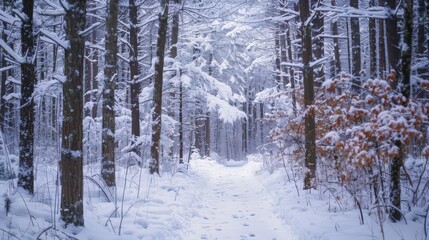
pixel 381 48
pixel 72 129
pixel 157 95
pixel 392 37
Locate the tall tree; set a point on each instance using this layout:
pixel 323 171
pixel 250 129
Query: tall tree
pixel 421 35
pixel 134 72
pixel 405 88
pixel 6 7
pixel 372 44
pixel 158 83
pixel 318 42
pixel 336 68
pixel 381 45
pixel 309 128
pixel 392 39
pixel 173 54
pixel 72 129
pixel 108 111
pixel 28 80
pixel 356 51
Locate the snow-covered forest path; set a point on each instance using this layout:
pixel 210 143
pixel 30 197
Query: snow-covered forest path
pixel 233 205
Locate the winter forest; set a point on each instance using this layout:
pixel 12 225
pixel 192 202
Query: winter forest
pixel 221 119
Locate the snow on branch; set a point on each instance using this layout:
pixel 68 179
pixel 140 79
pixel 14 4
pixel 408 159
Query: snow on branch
pixel 9 19
pixel 90 29
pixel 289 64
pixel 11 52
pixel 53 38
pixel 319 61
pixel 227 113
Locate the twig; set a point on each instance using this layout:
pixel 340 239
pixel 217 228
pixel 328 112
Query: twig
pixel 11 234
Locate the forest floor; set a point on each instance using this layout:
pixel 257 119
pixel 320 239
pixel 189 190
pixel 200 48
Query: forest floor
pixel 208 201
pixel 233 205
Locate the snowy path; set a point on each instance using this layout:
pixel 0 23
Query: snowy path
pixel 233 205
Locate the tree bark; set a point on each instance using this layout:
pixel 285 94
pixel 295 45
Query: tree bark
pixel 318 43
pixel 310 137
pixel 372 45
pixel 421 37
pixel 337 63
pixel 392 37
pixel 28 80
pixel 157 94
pixel 110 78
pixel 381 46
pixel 72 129
pixel 134 72
pixel 356 52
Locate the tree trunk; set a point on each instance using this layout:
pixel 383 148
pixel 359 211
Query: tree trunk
pixel 72 129
pixel 356 52
pixel 318 43
pixel 94 72
pixel 310 137
pixel 28 80
pixel 157 94
pixel 134 72
pixel 372 45
pixel 392 37
pixel 421 37
pixel 173 55
pixel 381 46
pixel 337 63
pixel 110 78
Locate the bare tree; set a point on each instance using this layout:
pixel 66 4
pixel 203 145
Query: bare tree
pixel 28 80
pixel 310 136
pixel 134 72
pixel 72 129
pixel 157 94
pixel 356 52
pixel 110 76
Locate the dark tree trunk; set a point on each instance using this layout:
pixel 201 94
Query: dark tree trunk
pixel 94 73
pixel 134 72
pixel 110 78
pixel 72 129
pixel 372 45
pixel 28 80
pixel 381 46
pixel 356 52
pixel 392 37
pixel 337 63
pixel 421 36
pixel 310 137
pixel 157 94
pixel 6 8
pixel 318 43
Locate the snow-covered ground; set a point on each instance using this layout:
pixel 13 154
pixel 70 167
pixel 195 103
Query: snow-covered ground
pixel 209 201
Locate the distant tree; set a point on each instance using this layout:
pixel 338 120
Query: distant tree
pixel 110 77
pixel 28 80
pixel 72 129
pixel 158 83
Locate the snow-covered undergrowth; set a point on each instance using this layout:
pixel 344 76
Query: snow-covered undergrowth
pixel 147 207
pixel 320 214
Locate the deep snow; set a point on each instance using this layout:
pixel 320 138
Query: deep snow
pixel 207 201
